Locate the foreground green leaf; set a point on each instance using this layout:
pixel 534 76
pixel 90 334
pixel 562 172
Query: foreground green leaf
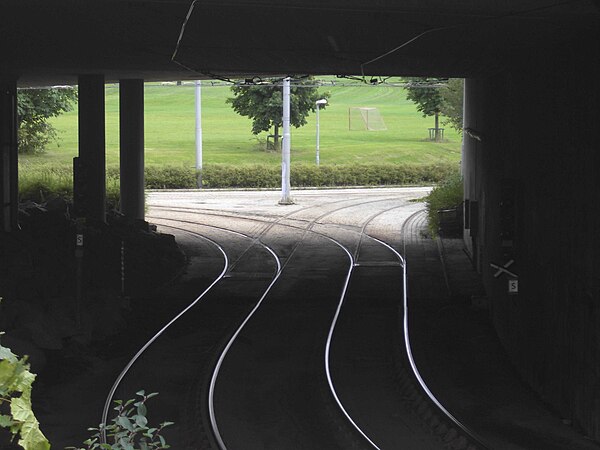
pixel 15 389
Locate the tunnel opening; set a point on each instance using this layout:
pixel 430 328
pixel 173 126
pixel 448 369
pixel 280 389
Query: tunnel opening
pixel 530 164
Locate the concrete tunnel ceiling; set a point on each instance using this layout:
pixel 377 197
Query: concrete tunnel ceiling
pixel 53 42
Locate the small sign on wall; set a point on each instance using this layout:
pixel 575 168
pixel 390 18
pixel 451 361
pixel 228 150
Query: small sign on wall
pixel 513 286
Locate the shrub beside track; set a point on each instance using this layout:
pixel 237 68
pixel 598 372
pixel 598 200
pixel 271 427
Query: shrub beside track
pixel 40 183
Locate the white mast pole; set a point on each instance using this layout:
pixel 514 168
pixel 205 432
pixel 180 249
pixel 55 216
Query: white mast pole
pixel 198 85
pixel 318 132
pixel 286 145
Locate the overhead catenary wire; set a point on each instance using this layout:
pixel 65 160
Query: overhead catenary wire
pixel 314 83
pixel 462 25
pixel 182 30
pixel 381 56
pixel 362 78
pixel 372 81
pixel 215 83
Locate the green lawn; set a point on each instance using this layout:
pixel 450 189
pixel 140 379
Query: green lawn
pixel 227 138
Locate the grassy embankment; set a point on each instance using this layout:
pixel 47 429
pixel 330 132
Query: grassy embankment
pixel 227 138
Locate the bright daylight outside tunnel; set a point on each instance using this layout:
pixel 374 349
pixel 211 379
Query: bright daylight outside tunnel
pixel 345 225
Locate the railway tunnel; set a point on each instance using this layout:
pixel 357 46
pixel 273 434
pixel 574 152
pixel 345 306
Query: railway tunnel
pixel 530 159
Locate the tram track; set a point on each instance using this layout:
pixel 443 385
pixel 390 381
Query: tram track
pixel 351 266
pixel 228 266
pixel 330 382
pixel 132 361
pixel 224 353
pixel 311 226
pixel 353 263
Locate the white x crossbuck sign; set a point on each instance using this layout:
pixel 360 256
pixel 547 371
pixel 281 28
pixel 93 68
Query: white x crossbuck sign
pixel 504 269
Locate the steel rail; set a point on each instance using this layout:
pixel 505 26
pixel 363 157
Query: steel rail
pixel 211 410
pixel 226 268
pixel 270 223
pixel 213 380
pixel 330 338
pixel 411 359
pixel 352 264
pixel 278 220
pixel 353 258
pixel 227 230
pixel 222 356
pixel 408 347
pixel 216 370
pixel 124 372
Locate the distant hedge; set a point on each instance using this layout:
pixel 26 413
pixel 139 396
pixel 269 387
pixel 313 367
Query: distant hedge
pixel 41 183
pixel 301 175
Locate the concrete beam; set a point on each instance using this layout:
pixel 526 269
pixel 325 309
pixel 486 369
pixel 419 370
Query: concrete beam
pixel 131 122
pixel 9 185
pixel 92 148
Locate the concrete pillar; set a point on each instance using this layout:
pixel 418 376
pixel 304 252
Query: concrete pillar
pixel 9 186
pixel 131 107
pixel 92 147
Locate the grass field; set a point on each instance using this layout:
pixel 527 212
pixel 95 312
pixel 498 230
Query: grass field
pixel 170 131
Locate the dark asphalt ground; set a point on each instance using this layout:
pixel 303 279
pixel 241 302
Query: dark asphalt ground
pixel 454 346
pixel 460 357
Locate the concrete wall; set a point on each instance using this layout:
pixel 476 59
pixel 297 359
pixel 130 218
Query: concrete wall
pixel 535 174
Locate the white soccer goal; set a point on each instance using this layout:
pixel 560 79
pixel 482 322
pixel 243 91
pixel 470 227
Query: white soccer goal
pixel 365 118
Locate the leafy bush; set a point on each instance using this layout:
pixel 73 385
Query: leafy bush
pixel 40 183
pixel 16 412
pixel 170 177
pixel 309 175
pixel 248 176
pixel 129 429
pixel 446 195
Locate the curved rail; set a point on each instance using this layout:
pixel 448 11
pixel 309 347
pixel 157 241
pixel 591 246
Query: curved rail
pixel 411 359
pixel 222 356
pixel 124 372
pixel 352 259
pixel 213 380
pixel 226 267
pixel 408 348
pixel 328 345
pixel 337 314
pixel 329 337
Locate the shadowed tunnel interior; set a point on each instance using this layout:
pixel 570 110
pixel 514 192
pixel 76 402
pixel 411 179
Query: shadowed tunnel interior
pixel 530 160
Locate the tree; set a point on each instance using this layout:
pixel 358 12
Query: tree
pixel 452 106
pixel 34 108
pixel 263 103
pixel 428 98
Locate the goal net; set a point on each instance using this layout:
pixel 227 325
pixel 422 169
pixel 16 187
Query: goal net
pixel 365 118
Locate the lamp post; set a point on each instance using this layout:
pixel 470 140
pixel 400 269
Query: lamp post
pixel 319 103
